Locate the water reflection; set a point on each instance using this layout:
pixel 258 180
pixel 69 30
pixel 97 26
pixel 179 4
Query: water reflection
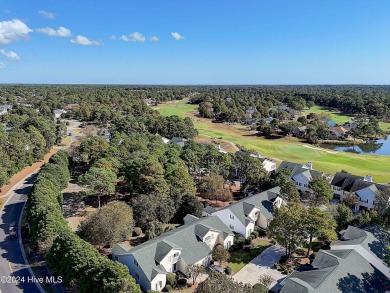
pixel 377 147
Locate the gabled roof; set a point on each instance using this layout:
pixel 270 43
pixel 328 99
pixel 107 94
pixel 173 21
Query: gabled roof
pixel 352 183
pixel 163 248
pixel 263 201
pixel 178 141
pixel 208 210
pixel 190 218
pixel 344 180
pixel 336 271
pixel 184 238
pixel 372 238
pixel 361 184
pixel 297 169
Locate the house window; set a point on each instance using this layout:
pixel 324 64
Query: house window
pixel 136 276
pixel 160 283
pixel 136 263
pixel 231 227
pixel 176 255
pixel 232 217
pixel 228 245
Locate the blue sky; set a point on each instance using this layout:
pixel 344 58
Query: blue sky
pixel 195 42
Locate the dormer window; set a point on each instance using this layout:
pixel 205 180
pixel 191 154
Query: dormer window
pixel 176 255
pixel 136 263
pixel 232 217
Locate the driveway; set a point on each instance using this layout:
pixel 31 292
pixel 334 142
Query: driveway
pixel 262 264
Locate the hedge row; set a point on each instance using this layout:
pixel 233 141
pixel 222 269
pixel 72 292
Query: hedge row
pixel 44 212
pixel 77 261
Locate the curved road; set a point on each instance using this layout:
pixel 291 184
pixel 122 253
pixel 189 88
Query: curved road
pixel 12 263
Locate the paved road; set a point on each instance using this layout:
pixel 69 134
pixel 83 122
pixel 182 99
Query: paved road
pixel 262 264
pixel 12 263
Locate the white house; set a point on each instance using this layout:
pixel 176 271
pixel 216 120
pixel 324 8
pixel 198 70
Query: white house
pixel 5 108
pixel 300 174
pixel 221 150
pixel 58 113
pixel 268 164
pixel 174 251
pixel 255 210
pixel 363 187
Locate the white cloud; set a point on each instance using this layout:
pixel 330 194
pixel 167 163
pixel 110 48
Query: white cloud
pixel 177 36
pixel 10 55
pixel 2 65
pixel 60 32
pixel 113 37
pixel 154 39
pixel 81 40
pixel 13 30
pixel 47 14
pixel 134 37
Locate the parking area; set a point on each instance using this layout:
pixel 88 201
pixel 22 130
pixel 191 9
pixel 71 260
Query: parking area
pixel 262 264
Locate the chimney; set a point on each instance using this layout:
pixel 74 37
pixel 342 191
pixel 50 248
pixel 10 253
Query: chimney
pixel 309 165
pixel 368 178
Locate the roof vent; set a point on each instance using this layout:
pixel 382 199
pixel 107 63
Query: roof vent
pixel 368 178
pixel 309 165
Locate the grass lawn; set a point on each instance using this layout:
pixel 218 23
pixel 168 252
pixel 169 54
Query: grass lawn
pixel 337 117
pixel 240 258
pixel 284 148
pixel 340 118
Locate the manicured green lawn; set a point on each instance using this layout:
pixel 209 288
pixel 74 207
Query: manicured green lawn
pixel 239 259
pixel 284 148
pixel 337 117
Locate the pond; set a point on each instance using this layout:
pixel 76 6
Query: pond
pixel 374 147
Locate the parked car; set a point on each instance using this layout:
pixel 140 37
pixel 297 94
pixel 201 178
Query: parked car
pixel 12 231
pixel 217 269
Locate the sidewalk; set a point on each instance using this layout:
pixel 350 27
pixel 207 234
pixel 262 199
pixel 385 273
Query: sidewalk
pixel 262 264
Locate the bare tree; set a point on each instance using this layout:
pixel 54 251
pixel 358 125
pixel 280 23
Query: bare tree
pixel 266 280
pixel 194 271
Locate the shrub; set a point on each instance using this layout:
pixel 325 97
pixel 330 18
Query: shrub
pixel 259 288
pixel 238 239
pixel 248 241
pixel 228 270
pixel 171 279
pixel 182 282
pixel 168 288
pixel 137 231
pixel 255 234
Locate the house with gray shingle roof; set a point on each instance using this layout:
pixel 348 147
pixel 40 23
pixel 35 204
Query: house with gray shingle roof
pixel 255 210
pixel 300 174
pixel 370 241
pixel 178 141
pixel 334 271
pixel 58 112
pixel 363 187
pixel 5 108
pixel 174 251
